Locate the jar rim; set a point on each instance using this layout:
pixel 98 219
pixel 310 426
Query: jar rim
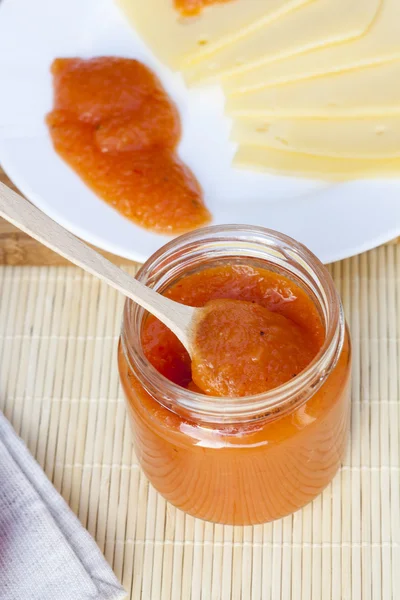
pixel 273 403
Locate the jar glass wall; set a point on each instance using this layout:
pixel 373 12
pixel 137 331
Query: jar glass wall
pixel 241 460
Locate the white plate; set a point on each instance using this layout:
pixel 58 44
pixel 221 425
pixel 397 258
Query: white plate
pixel 335 221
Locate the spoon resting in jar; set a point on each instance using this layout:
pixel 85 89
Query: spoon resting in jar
pixel 223 339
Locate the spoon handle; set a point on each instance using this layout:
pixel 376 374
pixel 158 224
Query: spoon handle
pixel 24 215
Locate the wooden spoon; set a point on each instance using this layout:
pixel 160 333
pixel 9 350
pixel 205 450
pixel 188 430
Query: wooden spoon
pixel 201 330
pixel 177 317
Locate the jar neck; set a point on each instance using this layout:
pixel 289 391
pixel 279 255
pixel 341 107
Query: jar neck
pixel 246 245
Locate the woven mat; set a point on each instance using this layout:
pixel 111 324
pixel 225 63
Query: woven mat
pixel 59 388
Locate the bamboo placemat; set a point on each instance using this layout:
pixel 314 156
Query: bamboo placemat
pixel 59 388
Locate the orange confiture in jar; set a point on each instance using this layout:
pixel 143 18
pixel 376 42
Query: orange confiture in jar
pixel 240 459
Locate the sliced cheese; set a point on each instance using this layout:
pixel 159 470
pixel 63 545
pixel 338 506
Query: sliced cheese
pixel 319 23
pixel 368 137
pixel 174 38
pixel 314 167
pixel 380 44
pixel 366 91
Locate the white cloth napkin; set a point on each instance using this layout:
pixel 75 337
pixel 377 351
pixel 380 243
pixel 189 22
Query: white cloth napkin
pixel 45 553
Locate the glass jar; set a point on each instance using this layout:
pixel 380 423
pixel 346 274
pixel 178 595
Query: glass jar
pixel 245 460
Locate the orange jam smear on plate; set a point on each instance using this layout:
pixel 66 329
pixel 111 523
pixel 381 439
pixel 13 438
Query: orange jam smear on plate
pixel 190 8
pixel 114 124
pixel 245 472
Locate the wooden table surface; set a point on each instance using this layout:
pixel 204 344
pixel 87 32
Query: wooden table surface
pixel 17 248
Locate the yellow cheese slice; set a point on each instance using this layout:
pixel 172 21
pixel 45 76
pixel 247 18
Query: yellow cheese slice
pixel 364 137
pixel 174 38
pixel 318 23
pixel 381 43
pixel 369 90
pixel 314 167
